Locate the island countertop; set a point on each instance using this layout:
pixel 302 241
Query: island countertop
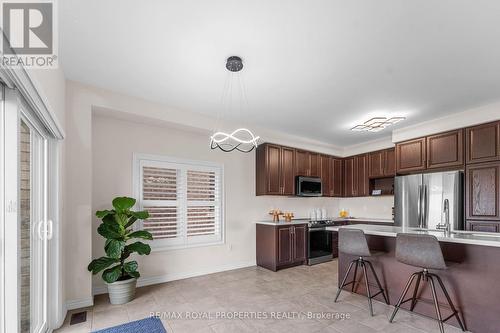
pixel 336 219
pixel 463 237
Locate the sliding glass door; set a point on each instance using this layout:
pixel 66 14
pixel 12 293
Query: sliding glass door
pixel 26 228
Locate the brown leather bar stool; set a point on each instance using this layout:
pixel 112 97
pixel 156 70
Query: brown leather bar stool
pixel 353 242
pixel 423 251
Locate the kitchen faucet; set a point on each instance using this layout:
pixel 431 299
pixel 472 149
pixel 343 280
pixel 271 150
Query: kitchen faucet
pixel 446 225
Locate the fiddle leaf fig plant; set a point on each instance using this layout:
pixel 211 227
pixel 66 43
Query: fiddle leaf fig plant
pixel 116 229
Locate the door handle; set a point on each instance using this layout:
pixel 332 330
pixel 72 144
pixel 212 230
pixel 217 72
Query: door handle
pixel 50 230
pixel 419 208
pixel 39 230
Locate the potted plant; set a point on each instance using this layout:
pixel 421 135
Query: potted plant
pixel 120 276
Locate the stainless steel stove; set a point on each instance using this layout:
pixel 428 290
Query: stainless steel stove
pixel 322 244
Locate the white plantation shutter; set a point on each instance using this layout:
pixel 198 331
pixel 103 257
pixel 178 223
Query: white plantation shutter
pixel 203 205
pixel 183 198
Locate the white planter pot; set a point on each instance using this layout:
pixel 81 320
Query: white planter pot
pixel 121 292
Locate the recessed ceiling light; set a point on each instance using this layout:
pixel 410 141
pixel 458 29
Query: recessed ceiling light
pixel 377 124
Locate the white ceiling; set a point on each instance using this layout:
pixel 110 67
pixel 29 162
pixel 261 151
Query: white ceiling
pixel 312 68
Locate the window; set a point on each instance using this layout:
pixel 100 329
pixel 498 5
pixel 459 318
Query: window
pixel 184 200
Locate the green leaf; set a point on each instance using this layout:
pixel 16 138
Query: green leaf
pixel 121 219
pixel 98 265
pixel 122 204
pixel 112 274
pixel 142 215
pixel 141 234
pixel 108 230
pixel 114 248
pixel 130 266
pixel 134 274
pixel 138 247
pixel 110 218
pixel 103 213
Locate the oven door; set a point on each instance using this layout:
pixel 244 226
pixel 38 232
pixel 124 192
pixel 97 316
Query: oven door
pixel 320 247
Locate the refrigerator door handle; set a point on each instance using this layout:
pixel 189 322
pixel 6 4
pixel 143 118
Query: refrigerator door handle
pixel 419 207
pixel 424 207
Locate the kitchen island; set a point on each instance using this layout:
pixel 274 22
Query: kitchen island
pixel 471 278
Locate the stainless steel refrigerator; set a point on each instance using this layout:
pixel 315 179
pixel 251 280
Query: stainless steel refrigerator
pixel 420 200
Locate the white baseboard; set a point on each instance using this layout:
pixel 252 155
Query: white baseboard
pixel 147 281
pixel 79 303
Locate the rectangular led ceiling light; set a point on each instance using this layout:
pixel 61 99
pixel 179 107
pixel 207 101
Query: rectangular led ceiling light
pixel 377 124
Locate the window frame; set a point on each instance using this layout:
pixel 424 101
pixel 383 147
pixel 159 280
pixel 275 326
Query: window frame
pixel 139 160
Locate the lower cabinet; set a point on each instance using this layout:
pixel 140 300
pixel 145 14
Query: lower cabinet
pixel 483 226
pixel 281 246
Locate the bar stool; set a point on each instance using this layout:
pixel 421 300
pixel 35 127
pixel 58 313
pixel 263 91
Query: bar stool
pixel 423 251
pixel 353 242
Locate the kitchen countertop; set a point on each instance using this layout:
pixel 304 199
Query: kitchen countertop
pixel 339 219
pixel 463 237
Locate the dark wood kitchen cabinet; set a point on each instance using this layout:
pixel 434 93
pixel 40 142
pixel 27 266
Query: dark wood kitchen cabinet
pixel 410 156
pixel 356 181
pixel 275 170
pixel 331 176
pixel 445 150
pixel 382 163
pixel 482 193
pixel 363 182
pixel 337 177
pixel 281 246
pixel 307 163
pixel 314 165
pixel 302 162
pixel 350 177
pixel 326 175
pixel 482 143
pixel 483 226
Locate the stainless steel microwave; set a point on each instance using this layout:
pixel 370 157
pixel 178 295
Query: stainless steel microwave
pixel 308 186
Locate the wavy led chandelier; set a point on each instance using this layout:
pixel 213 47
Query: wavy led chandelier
pixel 241 139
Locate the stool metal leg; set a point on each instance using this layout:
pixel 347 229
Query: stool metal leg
pixel 378 282
pixel 405 291
pixel 345 278
pixel 436 304
pixel 363 265
pixel 450 303
pixel 355 276
pixel 415 291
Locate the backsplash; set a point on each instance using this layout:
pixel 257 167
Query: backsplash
pixel 374 207
pixel 300 207
pixel 371 207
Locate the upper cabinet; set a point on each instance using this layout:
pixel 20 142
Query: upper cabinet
pixel 326 175
pixel 307 163
pixel 445 150
pixel 410 155
pixel 482 143
pixel 275 170
pixel 337 177
pixel 314 165
pixel 350 177
pixel 356 182
pixel 439 151
pixel 382 163
pixel 277 166
pixel 302 162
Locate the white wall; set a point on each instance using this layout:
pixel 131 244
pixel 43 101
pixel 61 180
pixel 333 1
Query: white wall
pixel 113 143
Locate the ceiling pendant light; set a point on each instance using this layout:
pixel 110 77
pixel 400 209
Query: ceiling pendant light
pixel 241 139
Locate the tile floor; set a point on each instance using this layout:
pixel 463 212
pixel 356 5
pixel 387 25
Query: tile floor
pixel 301 294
